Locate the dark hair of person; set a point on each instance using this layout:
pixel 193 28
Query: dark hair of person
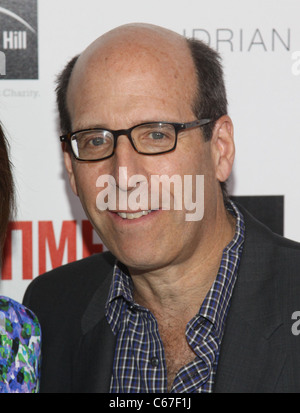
pixel 6 189
pixel 61 96
pixel 210 99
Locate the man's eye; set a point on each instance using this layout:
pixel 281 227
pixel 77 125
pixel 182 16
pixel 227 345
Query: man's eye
pixel 98 141
pixel 157 135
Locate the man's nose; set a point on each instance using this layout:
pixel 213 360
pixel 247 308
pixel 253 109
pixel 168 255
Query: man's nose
pixel 127 162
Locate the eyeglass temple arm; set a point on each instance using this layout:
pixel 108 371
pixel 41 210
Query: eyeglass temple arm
pixel 195 123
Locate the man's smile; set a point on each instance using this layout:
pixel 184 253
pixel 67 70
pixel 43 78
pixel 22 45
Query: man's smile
pixel 133 215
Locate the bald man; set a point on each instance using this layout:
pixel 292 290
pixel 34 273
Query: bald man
pixel 184 301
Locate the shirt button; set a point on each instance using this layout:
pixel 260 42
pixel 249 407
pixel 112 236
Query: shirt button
pixel 154 361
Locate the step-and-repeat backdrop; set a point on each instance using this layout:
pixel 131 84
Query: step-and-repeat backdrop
pixel 259 41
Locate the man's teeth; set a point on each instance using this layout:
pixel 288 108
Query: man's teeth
pixel 133 215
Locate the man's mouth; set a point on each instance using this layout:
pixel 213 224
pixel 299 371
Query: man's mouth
pixel 133 215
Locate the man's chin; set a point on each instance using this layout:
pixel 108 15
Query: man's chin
pixel 138 263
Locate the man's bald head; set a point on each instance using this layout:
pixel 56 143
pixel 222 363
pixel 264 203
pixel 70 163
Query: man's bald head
pixel 136 36
pixel 131 44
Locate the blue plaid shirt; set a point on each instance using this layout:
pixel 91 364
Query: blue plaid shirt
pixel 139 363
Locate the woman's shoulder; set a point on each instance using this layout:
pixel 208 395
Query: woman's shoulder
pixel 15 317
pixel 20 338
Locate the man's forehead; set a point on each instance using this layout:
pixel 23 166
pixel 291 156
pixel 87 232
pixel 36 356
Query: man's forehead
pixel 127 74
pixel 135 52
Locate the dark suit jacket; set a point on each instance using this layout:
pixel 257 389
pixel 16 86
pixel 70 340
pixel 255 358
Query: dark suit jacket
pixel 259 352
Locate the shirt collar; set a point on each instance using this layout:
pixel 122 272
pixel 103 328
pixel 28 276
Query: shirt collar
pixel 216 303
pixel 121 285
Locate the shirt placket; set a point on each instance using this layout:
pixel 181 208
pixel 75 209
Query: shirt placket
pixel 147 350
pixel 192 377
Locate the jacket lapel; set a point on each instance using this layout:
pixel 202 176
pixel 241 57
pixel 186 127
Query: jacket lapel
pixel 95 352
pixel 95 360
pixel 252 352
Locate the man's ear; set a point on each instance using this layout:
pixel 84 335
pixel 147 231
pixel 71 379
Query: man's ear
pixel 68 159
pixel 223 148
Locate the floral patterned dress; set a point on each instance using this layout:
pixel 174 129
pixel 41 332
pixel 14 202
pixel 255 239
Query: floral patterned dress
pixel 20 339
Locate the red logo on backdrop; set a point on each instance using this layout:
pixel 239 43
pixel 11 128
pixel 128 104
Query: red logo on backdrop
pixel 47 242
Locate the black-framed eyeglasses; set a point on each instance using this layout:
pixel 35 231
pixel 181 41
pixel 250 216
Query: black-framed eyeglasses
pixel 151 138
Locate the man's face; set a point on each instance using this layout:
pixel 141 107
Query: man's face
pixel 120 90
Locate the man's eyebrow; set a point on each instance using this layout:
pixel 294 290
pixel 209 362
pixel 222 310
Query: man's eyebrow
pixel 105 127
pixel 141 122
pixel 90 126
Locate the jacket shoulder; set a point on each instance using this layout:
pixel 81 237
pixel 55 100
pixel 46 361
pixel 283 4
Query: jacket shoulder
pixel 71 284
pixel 257 232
